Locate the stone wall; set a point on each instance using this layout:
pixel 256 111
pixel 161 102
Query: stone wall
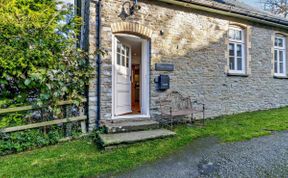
pixel 196 43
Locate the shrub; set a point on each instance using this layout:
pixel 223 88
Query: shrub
pixel 11 120
pixel 33 138
pixel 23 140
pixel 39 61
pixel 40 64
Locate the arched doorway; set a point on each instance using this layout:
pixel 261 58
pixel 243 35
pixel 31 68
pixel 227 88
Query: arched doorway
pixel 130 75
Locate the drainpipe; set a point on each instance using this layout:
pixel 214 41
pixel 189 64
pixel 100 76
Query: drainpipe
pixel 98 62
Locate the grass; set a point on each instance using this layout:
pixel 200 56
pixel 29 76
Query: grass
pixel 81 158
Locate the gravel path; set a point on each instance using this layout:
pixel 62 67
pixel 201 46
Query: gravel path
pixel 260 157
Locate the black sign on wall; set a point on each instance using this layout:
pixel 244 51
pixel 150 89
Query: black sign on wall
pixel 164 67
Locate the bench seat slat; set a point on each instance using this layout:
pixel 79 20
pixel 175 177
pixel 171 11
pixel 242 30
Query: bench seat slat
pixel 181 112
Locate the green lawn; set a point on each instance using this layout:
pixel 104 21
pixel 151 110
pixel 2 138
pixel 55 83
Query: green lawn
pixel 81 158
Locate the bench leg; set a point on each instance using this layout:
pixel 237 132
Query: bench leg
pixel 171 122
pixel 171 118
pixel 203 122
pixel 192 118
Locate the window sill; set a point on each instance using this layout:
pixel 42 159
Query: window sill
pixel 237 74
pixel 280 77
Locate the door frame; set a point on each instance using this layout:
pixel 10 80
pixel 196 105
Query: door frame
pixel 144 78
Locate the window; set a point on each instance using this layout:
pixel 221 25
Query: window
pixel 236 50
pixel 280 56
pixel 123 54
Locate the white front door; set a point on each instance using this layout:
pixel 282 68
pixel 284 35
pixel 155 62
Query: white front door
pixel 123 79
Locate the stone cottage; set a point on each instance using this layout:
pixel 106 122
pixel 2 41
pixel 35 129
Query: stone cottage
pixel 223 53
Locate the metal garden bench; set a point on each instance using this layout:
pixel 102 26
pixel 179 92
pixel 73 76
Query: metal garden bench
pixel 175 105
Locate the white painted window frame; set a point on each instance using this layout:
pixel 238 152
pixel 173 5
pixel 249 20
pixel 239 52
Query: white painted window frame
pixel 277 50
pixel 125 46
pixel 235 42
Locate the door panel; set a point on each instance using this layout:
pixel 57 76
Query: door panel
pixel 123 79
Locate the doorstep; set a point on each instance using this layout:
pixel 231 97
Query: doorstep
pixel 131 125
pixel 109 140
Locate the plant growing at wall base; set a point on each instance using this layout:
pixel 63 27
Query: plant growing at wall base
pixel 23 140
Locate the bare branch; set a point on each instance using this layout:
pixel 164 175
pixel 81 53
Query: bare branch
pixel 277 7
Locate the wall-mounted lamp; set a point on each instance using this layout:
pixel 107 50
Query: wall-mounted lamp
pixel 132 9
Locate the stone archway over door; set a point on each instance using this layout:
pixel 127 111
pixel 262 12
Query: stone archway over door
pixel 132 28
pixel 123 34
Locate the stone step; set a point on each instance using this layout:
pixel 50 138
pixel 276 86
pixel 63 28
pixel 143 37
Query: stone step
pixel 129 126
pixel 136 119
pixel 109 140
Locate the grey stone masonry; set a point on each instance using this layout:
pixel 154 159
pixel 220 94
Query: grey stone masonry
pixel 196 43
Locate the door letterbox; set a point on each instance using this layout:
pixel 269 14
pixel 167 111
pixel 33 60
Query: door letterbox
pixel 163 82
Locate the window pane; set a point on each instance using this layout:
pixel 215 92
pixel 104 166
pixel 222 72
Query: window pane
pixel 127 62
pixel 118 47
pixel 239 63
pixel 275 61
pixel 123 50
pixel 118 59
pixel 276 42
pixel 127 51
pixel 281 66
pixel 280 42
pixel 238 35
pixel 231 34
pixel 239 50
pixel 123 61
pixel 231 63
pixel 281 61
pixel 281 56
pixel 231 49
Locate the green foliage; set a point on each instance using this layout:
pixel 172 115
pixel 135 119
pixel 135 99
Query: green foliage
pixel 29 139
pixel 11 120
pixel 5 102
pixel 39 61
pixel 40 64
pixel 20 141
pixel 94 136
pixel 82 159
